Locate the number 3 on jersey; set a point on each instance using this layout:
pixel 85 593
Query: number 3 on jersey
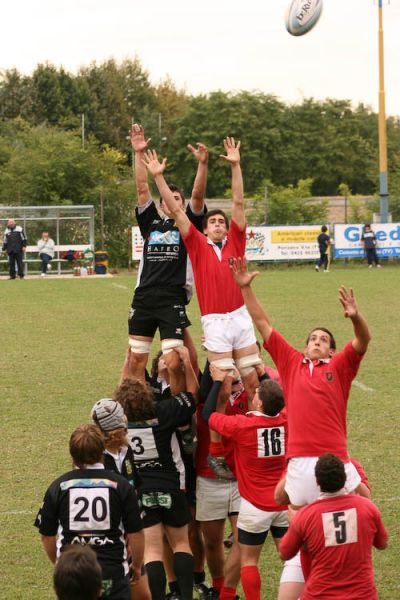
pixel 142 442
pixel 270 442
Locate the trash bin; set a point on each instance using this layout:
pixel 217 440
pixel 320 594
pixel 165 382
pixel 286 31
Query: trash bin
pixel 100 262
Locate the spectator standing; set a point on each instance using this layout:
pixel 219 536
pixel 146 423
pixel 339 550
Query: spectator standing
pixel 14 243
pixel 46 252
pixel 324 242
pixel 368 239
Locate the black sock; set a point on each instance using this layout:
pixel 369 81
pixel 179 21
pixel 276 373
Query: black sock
pixel 174 587
pixel 183 569
pixel 157 579
pixel 199 576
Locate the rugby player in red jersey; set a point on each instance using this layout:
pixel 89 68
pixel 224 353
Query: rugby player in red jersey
pixel 339 531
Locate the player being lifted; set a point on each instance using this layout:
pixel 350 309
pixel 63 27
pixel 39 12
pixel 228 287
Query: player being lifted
pixel 165 278
pixel 227 327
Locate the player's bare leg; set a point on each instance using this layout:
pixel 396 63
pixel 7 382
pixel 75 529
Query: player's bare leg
pixel 140 349
pixel 246 359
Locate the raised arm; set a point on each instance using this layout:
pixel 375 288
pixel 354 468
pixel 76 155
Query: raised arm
pixel 139 146
pixel 362 336
pixel 156 168
pixel 199 186
pixel 243 278
pixel 233 156
pixel 191 381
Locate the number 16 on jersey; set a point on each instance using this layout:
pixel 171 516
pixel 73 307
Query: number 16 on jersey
pixel 271 442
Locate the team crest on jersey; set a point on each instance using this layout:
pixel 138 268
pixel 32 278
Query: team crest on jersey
pixel 128 467
pixel 329 376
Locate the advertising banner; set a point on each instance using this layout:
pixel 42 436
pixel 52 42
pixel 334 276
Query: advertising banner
pixel 348 240
pixel 266 243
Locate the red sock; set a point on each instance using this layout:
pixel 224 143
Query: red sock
pixel 218 582
pixel 251 582
pixel 305 560
pixel 227 593
pixel 216 449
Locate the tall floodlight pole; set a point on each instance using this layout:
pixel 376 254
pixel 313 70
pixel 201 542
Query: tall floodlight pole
pixel 383 174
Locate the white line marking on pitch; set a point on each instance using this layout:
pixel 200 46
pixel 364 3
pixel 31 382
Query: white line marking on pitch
pixel 121 287
pixel 18 512
pixel 362 387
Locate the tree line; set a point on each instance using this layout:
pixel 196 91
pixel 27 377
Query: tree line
pixel 290 152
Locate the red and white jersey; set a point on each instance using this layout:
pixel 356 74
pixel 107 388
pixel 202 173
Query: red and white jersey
pixel 316 395
pixel 259 444
pixel 236 405
pixel 339 532
pixel 217 291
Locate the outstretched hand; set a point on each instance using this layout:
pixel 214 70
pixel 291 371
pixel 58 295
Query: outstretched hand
pixel 152 163
pixel 200 153
pixel 348 301
pixel 138 141
pixel 240 272
pixel 232 151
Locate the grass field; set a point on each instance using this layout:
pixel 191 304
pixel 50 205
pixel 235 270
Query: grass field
pixel 62 345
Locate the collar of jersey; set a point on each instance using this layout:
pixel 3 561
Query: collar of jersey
pixel 258 413
pixel 316 361
pixel 95 466
pixel 215 245
pixel 327 495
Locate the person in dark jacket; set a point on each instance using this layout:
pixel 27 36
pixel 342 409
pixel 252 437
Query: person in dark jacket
pixel 14 244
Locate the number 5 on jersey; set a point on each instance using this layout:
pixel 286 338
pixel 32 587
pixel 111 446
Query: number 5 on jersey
pixel 271 442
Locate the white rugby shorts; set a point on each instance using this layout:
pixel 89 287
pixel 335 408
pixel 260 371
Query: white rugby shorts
pixel 216 499
pixel 228 331
pixel 292 571
pixel 301 485
pixel 255 520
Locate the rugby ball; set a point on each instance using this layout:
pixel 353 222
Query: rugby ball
pixel 302 15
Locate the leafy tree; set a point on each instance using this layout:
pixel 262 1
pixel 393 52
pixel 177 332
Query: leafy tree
pixel 288 205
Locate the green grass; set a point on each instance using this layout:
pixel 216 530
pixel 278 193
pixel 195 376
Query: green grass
pixel 62 345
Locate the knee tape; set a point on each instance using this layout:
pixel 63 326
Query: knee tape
pixel 245 364
pixel 225 364
pixel 168 345
pixel 139 346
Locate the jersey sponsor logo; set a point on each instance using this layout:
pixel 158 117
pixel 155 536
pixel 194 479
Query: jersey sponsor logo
pixel 164 238
pixel 340 527
pixel 91 540
pixel 329 376
pixel 270 442
pixel 88 483
pixel 143 443
pixel 89 509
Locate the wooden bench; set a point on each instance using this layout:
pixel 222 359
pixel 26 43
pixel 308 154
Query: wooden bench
pixel 59 249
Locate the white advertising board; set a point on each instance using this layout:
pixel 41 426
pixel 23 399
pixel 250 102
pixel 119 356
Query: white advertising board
pixel 266 243
pixel 348 240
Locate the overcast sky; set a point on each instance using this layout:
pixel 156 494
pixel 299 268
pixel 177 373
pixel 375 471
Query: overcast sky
pixel 214 44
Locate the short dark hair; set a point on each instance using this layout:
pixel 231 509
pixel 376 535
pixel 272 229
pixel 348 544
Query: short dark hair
pixel 212 213
pixel 77 574
pixel 271 396
pixel 174 188
pixel 367 225
pixel 86 445
pixel 324 228
pixel 332 343
pixel 330 473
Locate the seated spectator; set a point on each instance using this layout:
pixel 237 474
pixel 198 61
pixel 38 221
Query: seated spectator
pixel 46 248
